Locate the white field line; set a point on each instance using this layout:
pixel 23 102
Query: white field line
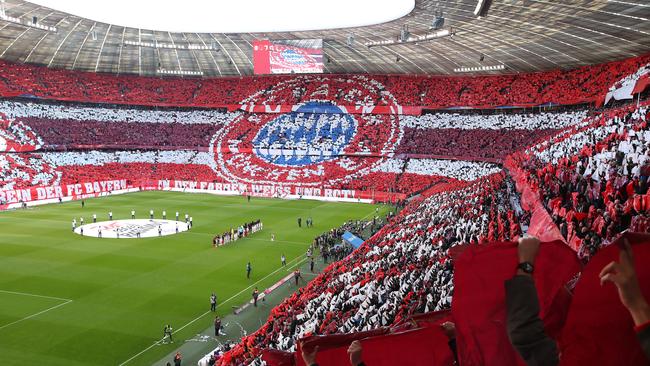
pixel 34 295
pixel 208 312
pixel 65 302
pixel 278 241
pixel 371 213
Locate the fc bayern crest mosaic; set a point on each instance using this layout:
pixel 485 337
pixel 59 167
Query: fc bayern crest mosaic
pixel 318 139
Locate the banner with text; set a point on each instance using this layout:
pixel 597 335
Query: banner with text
pixel 280 191
pixel 94 189
pixel 76 190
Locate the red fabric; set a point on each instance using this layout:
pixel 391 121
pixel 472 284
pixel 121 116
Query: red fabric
pixel 336 340
pixel 599 329
pixel 479 298
pixel 642 327
pixel 580 216
pixel 575 242
pixel 529 198
pixel 425 346
pixel 641 84
pixel 542 226
pixel 273 357
pixel 432 318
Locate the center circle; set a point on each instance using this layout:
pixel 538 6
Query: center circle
pixel 129 229
pixel 314 133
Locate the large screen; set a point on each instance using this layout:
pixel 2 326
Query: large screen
pixel 288 56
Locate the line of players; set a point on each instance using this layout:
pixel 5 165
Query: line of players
pixel 235 234
pixel 189 220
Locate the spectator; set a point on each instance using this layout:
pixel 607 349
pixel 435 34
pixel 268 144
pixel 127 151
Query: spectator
pixel 525 328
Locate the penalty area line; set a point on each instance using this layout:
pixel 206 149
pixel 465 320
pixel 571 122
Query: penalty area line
pixel 208 312
pixel 37 314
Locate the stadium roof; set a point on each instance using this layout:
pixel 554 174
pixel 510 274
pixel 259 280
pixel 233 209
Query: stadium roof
pixel 205 16
pixel 522 35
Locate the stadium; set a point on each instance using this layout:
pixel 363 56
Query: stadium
pixel 387 182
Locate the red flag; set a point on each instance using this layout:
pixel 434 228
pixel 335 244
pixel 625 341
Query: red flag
pixel 274 357
pixel 542 226
pixel 479 298
pixel 417 347
pixel 641 84
pixel 432 318
pixel 599 329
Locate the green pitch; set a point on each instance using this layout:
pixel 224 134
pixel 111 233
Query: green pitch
pixel 72 300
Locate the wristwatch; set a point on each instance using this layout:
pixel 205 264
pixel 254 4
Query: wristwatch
pixel 527 267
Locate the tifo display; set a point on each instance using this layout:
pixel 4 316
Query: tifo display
pixel 440 278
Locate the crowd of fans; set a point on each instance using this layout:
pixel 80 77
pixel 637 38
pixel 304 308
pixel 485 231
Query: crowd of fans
pixel 496 121
pixel 315 133
pixel 17 135
pixel 136 174
pixel 173 144
pixel 565 87
pixel 414 175
pixel 94 157
pixel 234 234
pixel 594 182
pixel 17 109
pixel 23 170
pixel 18 171
pixel 309 132
pixel 589 169
pixel 592 175
pixel 403 269
pixel 68 126
pixel 593 179
pixel 330 245
pixel 476 136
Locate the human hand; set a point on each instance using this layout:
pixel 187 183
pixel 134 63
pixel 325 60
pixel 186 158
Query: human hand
pixel 527 249
pixel 449 329
pixel 309 357
pixel 355 353
pixel 623 275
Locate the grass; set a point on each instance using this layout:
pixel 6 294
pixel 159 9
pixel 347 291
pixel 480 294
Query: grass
pixel 72 300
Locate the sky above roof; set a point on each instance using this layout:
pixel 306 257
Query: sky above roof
pixel 239 16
